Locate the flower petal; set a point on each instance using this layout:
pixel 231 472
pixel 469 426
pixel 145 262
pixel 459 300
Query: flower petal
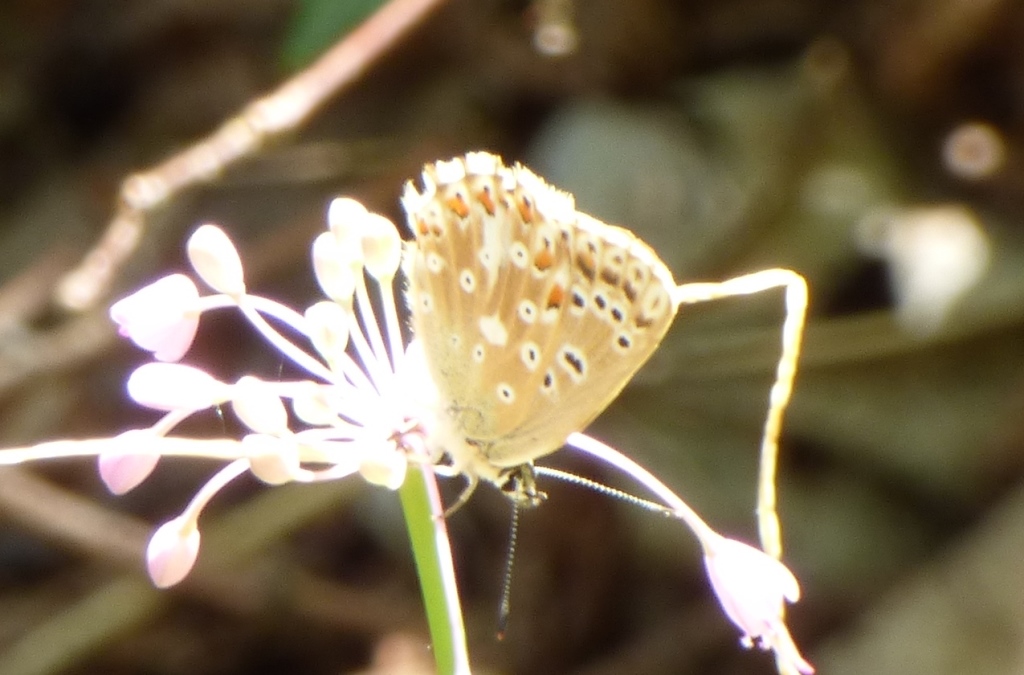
pixel 161 317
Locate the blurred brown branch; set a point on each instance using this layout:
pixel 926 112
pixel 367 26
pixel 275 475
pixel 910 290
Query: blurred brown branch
pixel 265 118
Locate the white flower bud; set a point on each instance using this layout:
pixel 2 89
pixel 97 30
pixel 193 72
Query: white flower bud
pixel 345 218
pixel 333 268
pixel 313 407
pixel 172 386
pixel 385 466
pixel 382 247
pixel 258 407
pixel 274 461
pixel 328 325
pixel 216 260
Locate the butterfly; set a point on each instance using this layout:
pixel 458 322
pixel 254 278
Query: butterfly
pixel 532 315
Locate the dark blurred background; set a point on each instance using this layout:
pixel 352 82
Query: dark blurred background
pixel 874 146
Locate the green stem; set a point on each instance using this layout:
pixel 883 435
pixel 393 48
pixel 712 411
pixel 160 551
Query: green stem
pixel 424 518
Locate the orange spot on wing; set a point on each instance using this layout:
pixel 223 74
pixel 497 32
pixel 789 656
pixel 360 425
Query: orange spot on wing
pixel 457 203
pixel 525 207
pixel 421 228
pixel 556 297
pixel 484 197
pixel 543 260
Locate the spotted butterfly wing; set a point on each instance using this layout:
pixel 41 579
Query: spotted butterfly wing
pixel 532 316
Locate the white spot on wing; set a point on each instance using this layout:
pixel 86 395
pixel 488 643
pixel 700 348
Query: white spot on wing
pixel 493 330
pixel 435 263
pixel 497 239
pixel 527 311
pixel 519 255
pixel 506 394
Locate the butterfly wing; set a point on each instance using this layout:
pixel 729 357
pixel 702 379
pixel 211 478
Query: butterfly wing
pixel 533 316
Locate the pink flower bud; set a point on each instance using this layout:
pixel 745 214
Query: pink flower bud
pixel 172 386
pixel 753 588
pixel 161 317
pixel 172 552
pixel 126 465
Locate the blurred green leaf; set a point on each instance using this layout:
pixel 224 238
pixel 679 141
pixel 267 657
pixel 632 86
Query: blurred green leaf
pixel 318 24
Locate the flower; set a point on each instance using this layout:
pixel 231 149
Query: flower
pixel 753 588
pixel 161 317
pixel 356 413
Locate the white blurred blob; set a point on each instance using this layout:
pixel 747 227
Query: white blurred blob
pixel 936 254
pixel 555 34
pixel 974 151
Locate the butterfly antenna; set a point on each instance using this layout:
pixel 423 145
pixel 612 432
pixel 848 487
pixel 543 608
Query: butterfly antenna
pixel 505 606
pixel 603 489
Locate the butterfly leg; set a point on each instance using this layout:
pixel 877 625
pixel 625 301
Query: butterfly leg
pixel 792 333
pixel 471 482
pixel 520 485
